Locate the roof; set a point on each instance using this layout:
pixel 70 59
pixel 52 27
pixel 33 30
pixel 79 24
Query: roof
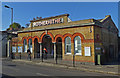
pixel 3 31
pixel 90 22
pixel 99 20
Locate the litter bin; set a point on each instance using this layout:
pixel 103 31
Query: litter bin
pixel 99 59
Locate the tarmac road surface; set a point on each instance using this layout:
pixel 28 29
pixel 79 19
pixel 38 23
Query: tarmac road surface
pixel 10 68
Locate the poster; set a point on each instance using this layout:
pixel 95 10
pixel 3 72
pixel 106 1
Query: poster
pixel 87 51
pixel 19 49
pixel 13 49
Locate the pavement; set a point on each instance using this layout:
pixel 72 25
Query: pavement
pixel 109 69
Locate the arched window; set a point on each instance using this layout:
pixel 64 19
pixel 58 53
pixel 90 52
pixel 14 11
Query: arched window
pixel 30 45
pixel 77 45
pixel 25 45
pixel 68 45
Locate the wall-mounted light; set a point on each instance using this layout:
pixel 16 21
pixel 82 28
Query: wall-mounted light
pixel 90 29
pixel 46 32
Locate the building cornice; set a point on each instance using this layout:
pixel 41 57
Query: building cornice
pixel 59 27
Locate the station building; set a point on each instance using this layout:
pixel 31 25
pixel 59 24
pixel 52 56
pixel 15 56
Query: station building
pixel 61 36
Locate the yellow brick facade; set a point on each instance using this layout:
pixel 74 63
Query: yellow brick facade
pixel 91 36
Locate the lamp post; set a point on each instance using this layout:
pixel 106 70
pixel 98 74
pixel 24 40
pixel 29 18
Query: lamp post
pixel 10 52
pixel 11 13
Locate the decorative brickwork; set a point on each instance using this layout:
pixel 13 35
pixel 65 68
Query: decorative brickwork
pixel 58 35
pixel 99 35
pixel 67 35
pixel 37 38
pixel 48 33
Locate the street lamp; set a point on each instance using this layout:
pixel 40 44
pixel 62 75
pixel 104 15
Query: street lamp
pixel 11 13
pixel 11 54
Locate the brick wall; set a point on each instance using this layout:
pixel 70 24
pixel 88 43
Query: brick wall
pixel 91 36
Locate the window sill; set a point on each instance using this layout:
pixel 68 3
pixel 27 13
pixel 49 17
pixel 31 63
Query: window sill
pixel 68 54
pixel 87 56
pixel 78 54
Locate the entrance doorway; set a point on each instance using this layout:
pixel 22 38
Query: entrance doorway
pixel 36 49
pixel 59 47
pixel 47 43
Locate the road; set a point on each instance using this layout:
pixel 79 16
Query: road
pixel 10 68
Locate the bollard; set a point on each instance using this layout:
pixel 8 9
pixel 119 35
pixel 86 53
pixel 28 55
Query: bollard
pixel 30 57
pixel 73 60
pixel 42 57
pixel 20 55
pixel 56 59
pixel 12 56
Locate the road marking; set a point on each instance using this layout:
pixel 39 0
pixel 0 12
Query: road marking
pixel 41 74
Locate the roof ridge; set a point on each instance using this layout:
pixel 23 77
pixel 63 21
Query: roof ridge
pixel 106 17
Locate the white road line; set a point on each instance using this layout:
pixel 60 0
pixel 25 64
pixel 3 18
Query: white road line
pixel 41 74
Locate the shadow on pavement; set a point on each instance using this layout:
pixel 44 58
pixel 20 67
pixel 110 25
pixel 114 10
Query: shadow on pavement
pixel 7 76
pixel 12 65
pixel 112 63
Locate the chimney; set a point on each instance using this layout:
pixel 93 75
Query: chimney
pixel 37 18
pixel 40 18
pixel 108 16
pixel 33 18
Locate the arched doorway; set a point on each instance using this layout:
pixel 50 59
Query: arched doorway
pixel 59 47
pixel 47 43
pixel 36 49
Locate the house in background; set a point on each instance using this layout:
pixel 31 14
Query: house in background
pixel 119 48
pixel 5 40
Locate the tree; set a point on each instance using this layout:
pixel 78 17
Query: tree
pixel 15 26
pixel 27 25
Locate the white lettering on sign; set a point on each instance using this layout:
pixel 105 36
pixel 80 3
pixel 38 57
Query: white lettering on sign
pixel 48 22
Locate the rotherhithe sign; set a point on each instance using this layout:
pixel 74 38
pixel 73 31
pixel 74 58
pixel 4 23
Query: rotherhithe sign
pixel 48 22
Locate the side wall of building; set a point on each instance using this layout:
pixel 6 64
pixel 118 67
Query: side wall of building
pixel 107 44
pixel 119 48
pixel 4 44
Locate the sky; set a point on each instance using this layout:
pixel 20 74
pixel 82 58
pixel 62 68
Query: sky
pixel 26 11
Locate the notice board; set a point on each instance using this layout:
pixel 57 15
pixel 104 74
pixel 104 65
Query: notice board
pixel 13 49
pixel 87 51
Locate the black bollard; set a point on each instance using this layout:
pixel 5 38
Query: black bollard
pixel 73 60
pixel 56 59
pixel 30 57
pixel 20 55
pixel 12 56
pixel 42 57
